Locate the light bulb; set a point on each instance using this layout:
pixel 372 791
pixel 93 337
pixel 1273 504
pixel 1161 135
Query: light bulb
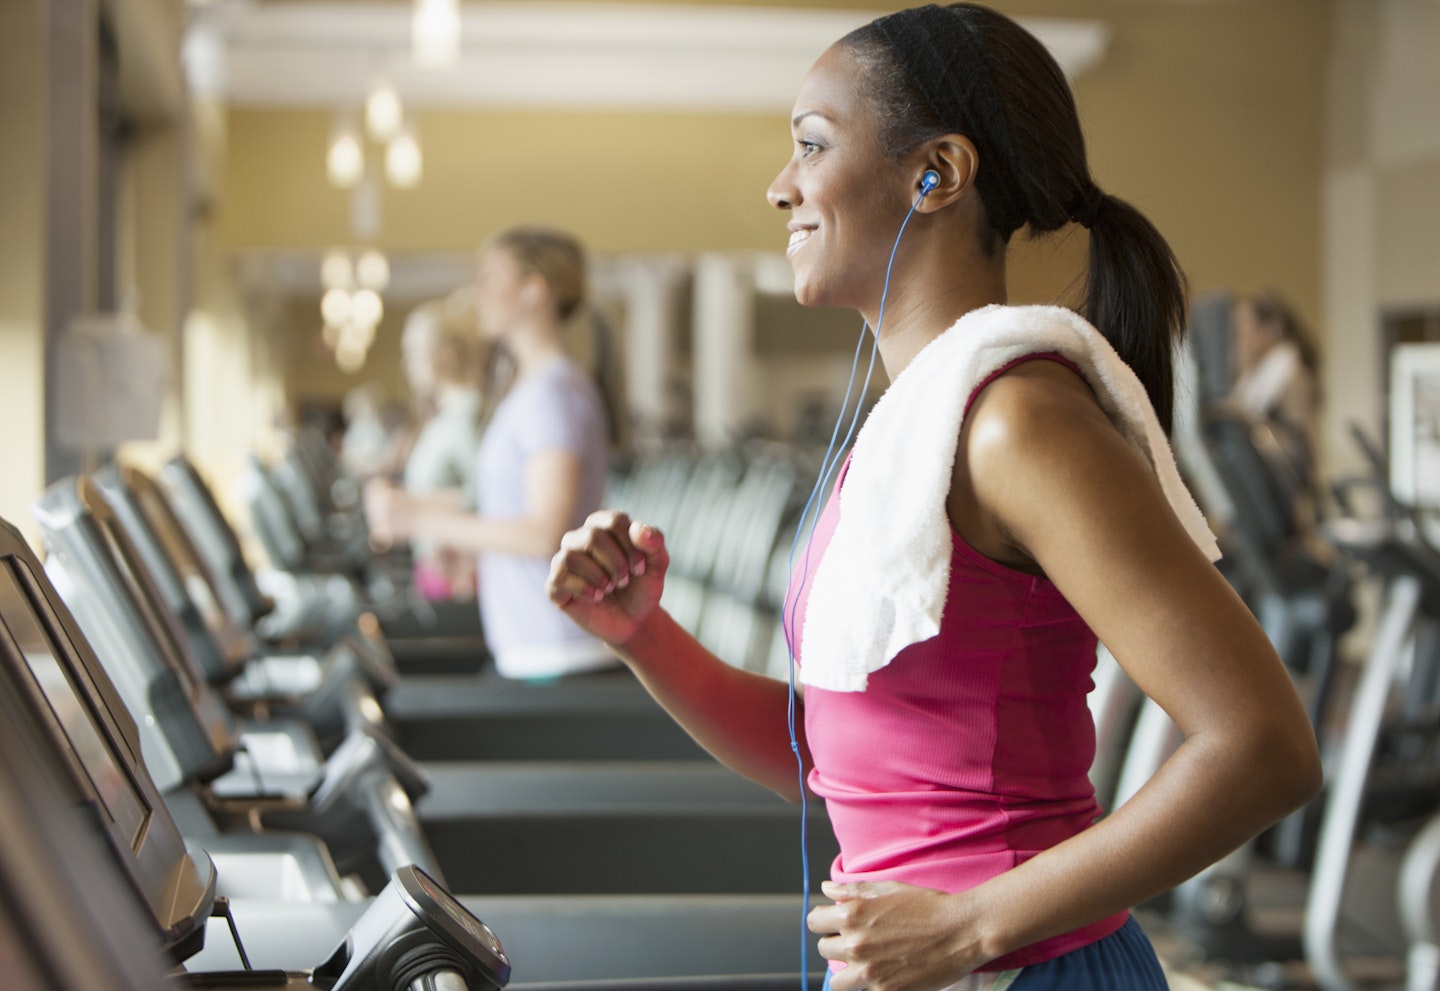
pixel 336 306
pixel 403 162
pixel 435 32
pixel 366 308
pixel 382 113
pixel 373 270
pixel 345 161
pixel 356 334
pixel 349 358
pixel 336 272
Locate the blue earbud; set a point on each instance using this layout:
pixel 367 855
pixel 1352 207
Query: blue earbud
pixel 929 181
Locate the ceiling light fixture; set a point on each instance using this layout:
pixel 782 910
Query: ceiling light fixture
pixel 345 159
pixel 383 112
pixel 336 271
pixel 404 164
pixel 435 32
pixel 372 270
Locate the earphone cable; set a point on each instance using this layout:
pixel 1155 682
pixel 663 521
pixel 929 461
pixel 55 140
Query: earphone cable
pixel 787 622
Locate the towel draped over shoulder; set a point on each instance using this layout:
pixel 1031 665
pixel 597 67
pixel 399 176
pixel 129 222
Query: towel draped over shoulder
pixel 883 581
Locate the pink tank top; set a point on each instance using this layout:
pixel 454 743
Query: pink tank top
pixel 969 752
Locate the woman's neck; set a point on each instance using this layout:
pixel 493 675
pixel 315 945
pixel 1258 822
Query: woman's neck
pixel 938 290
pixel 533 346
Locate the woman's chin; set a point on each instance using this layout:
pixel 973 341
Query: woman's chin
pixel 809 294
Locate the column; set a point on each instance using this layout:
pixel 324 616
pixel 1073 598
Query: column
pixel 724 327
pixel 651 289
pixel 23 62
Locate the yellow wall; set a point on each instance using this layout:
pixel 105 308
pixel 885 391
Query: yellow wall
pixel 623 182
pixel 22 296
pixel 1382 203
pixel 1207 116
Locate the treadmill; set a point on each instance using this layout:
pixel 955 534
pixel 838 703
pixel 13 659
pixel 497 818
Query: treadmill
pixel 358 798
pixel 69 920
pixel 601 716
pixel 615 828
pixel 335 692
pixel 578 942
pixel 315 609
pixel 69 745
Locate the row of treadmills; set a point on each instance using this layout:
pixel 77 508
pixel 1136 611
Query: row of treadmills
pixel 217 777
pixel 205 784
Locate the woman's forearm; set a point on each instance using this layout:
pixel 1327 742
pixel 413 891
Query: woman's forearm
pixel 737 716
pixel 1206 800
pixel 464 532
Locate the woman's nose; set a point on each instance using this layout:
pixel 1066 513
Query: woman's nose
pixel 782 194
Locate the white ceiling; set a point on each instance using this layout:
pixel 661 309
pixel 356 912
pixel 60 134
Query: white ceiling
pixel 599 55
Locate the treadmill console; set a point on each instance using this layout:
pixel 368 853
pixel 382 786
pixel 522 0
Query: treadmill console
pixel 68 919
pixel 61 682
pixel 415 930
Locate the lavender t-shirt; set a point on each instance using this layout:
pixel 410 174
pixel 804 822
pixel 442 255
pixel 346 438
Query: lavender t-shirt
pixel 556 408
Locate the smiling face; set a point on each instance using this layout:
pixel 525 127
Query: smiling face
pixel 845 196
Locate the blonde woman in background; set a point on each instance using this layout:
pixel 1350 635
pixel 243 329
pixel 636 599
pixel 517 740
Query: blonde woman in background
pixel 541 463
pixel 442 362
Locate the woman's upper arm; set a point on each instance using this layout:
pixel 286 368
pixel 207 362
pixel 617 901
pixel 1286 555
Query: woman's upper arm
pixel 1046 463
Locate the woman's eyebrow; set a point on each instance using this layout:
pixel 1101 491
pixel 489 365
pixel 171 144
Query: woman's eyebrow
pixel 795 121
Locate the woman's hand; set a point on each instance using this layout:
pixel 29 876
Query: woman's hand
pixel 608 575
pixel 386 513
pixel 895 937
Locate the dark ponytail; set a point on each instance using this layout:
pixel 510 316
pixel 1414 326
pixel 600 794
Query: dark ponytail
pixel 968 70
pixel 1136 296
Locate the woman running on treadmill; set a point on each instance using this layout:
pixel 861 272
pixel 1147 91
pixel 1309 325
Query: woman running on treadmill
pixel 542 462
pixel 1010 499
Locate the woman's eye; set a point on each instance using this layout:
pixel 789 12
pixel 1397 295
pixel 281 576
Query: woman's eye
pixel 809 147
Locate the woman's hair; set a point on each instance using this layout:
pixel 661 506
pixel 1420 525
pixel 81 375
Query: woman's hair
pixel 446 340
pixel 554 255
pixel 965 69
pixel 1271 309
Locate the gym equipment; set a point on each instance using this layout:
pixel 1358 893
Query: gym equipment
pixel 335 692
pixel 314 609
pixel 358 799
pixel 616 828
pixel 51 673
pixel 590 938
pixel 1376 880
pixel 69 919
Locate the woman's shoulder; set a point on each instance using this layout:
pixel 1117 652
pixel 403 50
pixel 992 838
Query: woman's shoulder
pixel 1040 411
pixel 1033 389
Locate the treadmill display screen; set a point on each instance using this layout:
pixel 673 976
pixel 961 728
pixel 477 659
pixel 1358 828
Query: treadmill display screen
pixel 117 795
pixel 458 913
pixel 144 596
pixel 160 518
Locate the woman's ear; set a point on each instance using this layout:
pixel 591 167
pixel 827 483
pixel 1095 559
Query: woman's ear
pixel 954 160
pixel 533 289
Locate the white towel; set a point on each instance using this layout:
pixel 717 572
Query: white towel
pixel 884 578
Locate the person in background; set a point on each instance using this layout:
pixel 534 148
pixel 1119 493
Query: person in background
pixel 442 361
pixel 1277 382
pixel 1010 500
pixel 541 465
pixel 366 445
